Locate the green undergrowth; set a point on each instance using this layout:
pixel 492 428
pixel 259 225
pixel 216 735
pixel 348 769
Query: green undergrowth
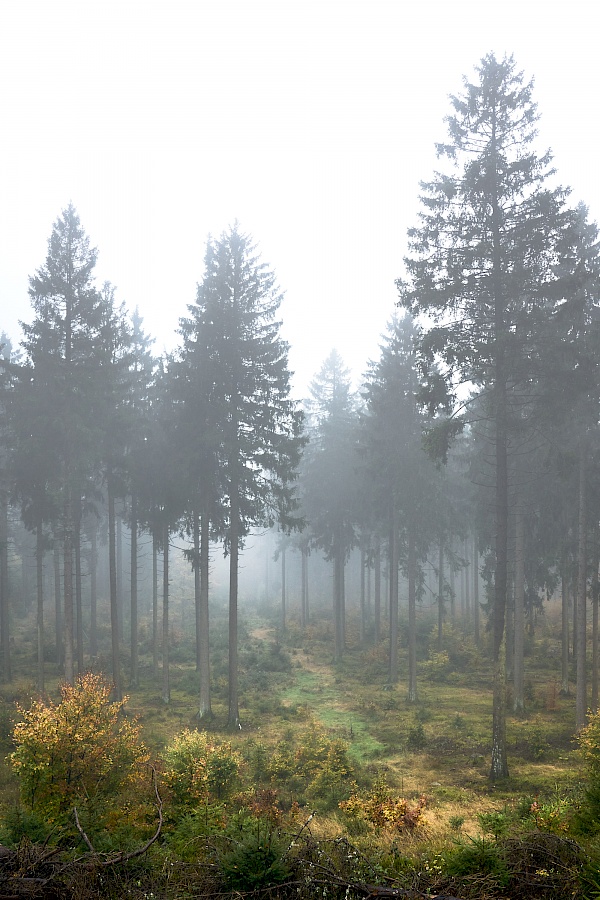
pixel 399 790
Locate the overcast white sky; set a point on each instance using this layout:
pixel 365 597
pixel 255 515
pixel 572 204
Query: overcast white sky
pixel 310 121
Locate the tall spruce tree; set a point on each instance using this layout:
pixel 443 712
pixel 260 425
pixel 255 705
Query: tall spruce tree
pixel 61 345
pixel 256 433
pixel 483 270
pixel 329 484
pixel 403 478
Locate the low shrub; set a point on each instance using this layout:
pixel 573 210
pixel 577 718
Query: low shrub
pixel 200 769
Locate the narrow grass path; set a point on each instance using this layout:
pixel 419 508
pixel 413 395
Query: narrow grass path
pixel 316 688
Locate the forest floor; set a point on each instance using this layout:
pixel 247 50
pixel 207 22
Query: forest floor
pixel 438 747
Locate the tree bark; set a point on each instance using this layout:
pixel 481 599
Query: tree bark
pixel 581 688
pixel 119 548
pixel 377 597
pixel 565 689
pixel 594 592
pixel 519 619
pixel 58 610
pixel 440 629
pixel 78 592
pixel 393 583
pixel 363 593
pixel 283 591
pixel 234 711
pixel 112 575
pixel 412 617
pixel 4 586
pixel 155 603
pixel 304 576
pixel 205 711
pixel 94 591
pixel 134 593
pixel 68 586
pixel 39 566
pixel 476 617
pixel 166 686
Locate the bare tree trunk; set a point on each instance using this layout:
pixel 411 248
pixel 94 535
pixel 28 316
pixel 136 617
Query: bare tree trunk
pixel 112 575
pixel 155 603
pixel 440 635
pixel 234 709
pixel 205 711
pixel 476 617
pixel 119 548
pixel 135 677
pixel 393 581
pixel 581 689
pixel 363 593
pixel 594 591
pixel 304 576
pixel 565 689
pixel 58 617
pixel 283 592
pixel 338 600
pixel 68 587
pixel 166 686
pixel 39 566
pixel 94 591
pixel 412 617
pixel 197 586
pixel 452 591
pixel 4 586
pixel 78 595
pixel 377 598
pixel 519 621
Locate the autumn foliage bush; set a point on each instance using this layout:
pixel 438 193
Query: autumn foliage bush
pixel 80 752
pixel 381 808
pixel 199 768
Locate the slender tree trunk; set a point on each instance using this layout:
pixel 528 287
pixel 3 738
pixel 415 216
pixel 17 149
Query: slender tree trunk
pixel 575 629
pixel 440 634
pixel 205 711
pixel 304 576
pixel 283 592
pixel 565 688
pixel 452 591
pixel 467 552
pixel 112 576
pixel 519 621
pixel 78 592
pixel 197 586
pixel 234 711
pixel 581 690
pixel 155 642
pixel 412 617
pixel 377 598
pixel 338 598
pixel 94 590
pixel 135 677
pixel 68 587
pixel 476 618
pixel 363 593
pixel 594 591
pixel 58 617
pixel 4 586
pixel 119 548
pixel 166 686
pixel 39 566
pixel 393 581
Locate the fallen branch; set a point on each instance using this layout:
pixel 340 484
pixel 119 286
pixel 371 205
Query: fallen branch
pixel 125 857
